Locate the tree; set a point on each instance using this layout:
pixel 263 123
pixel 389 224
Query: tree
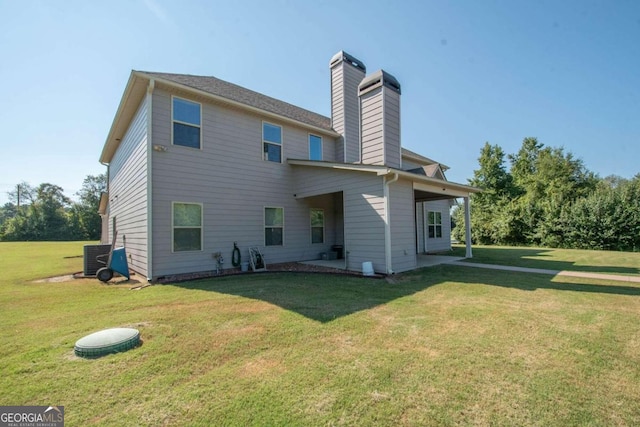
pixel 530 204
pixel 523 164
pixel 8 211
pixel 45 213
pixel 85 222
pixel 44 219
pixel 488 222
pixel 548 181
pixel 608 218
pixel 22 196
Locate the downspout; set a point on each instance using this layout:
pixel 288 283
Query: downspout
pixel 149 100
pixel 387 222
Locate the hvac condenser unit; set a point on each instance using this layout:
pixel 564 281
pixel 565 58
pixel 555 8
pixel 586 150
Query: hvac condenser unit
pixel 91 264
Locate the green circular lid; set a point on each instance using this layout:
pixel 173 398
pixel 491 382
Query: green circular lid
pixel 114 340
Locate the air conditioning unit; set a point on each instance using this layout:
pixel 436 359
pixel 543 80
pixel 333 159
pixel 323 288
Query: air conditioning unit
pixel 91 264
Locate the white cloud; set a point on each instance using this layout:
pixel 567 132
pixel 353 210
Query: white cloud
pixel 158 11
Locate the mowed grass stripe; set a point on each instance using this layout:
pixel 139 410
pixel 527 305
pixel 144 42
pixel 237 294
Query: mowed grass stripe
pixel 440 346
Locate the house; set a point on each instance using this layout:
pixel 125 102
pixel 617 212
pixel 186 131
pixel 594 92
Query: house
pixel 196 163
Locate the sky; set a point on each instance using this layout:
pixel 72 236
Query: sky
pixel 566 72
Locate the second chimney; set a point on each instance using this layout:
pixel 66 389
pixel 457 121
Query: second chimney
pixel 379 96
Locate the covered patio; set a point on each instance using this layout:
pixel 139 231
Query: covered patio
pixel 378 216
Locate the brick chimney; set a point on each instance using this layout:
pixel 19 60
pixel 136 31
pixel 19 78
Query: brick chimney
pixel 379 96
pixel 346 74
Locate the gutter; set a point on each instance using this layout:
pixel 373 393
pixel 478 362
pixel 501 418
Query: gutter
pixel 387 221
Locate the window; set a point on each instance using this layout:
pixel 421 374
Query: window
pixel 317 226
pixel 273 226
pixel 187 227
pixel 434 224
pixel 186 123
pixel 315 147
pixel 272 142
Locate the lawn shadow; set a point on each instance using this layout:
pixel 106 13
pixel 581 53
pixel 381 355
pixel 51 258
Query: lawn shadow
pixel 535 258
pixel 527 281
pixel 326 297
pixel 321 297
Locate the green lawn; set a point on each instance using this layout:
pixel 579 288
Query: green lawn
pixel 625 263
pixel 440 346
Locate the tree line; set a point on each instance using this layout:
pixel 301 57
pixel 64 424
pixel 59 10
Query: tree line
pixel 44 213
pixel 549 198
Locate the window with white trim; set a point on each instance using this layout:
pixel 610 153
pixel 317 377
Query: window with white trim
pixel 187 227
pixel 434 224
pixel 273 226
pixel 315 147
pixel 317 226
pixel 186 117
pixel 272 142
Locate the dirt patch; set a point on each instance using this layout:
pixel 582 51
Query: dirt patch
pixel 58 279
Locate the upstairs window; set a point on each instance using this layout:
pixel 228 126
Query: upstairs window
pixel 186 123
pixel 317 226
pixel 434 224
pixel 187 227
pixel 273 226
pixel 272 142
pixel 315 147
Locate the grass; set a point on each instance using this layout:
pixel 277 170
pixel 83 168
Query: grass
pixel 625 263
pixel 440 346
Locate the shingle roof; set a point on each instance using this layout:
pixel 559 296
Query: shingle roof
pixel 428 170
pixel 245 96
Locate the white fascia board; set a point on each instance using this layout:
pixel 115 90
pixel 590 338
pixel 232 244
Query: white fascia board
pixel 124 114
pixel 380 170
pixel 440 189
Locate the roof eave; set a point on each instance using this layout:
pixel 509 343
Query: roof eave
pixel 104 202
pixel 205 94
pixel 133 94
pixel 421 158
pixel 385 170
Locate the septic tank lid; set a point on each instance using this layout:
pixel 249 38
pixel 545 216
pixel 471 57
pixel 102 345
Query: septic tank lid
pixel 114 340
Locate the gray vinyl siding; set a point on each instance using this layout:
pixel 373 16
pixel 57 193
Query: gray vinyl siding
pixel 337 106
pixel 402 220
pixel 371 105
pixel 363 197
pixel 128 192
pixel 392 152
pixel 345 110
pixel 328 149
pixel 381 127
pixel 234 184
pixel 443 244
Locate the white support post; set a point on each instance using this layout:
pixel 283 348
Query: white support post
pixel 467 227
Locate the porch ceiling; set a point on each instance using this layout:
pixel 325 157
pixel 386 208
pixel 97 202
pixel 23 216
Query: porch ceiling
pixel 425 196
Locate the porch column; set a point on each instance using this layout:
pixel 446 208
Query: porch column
pixel 467 227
